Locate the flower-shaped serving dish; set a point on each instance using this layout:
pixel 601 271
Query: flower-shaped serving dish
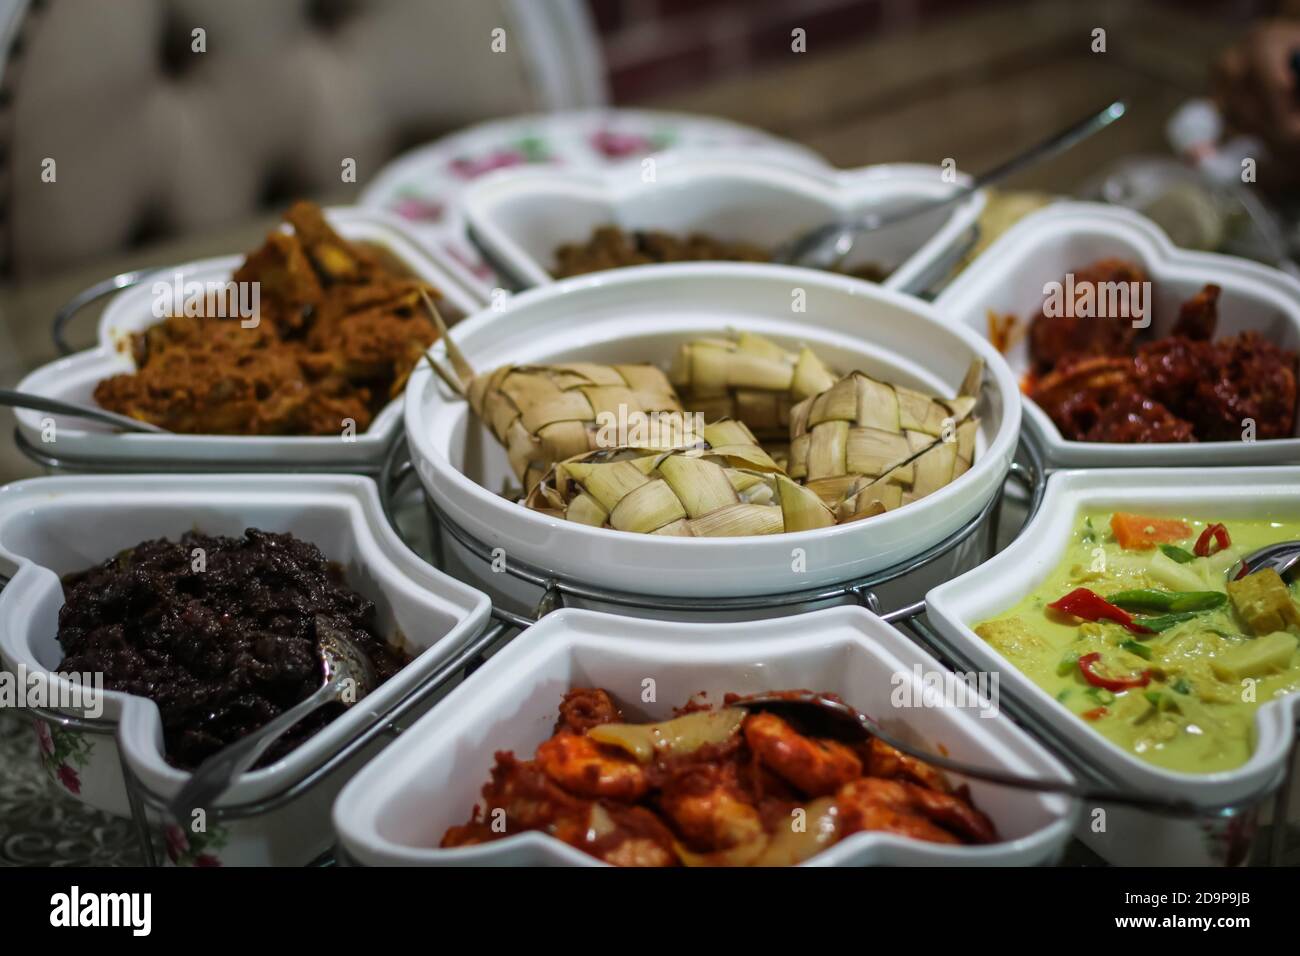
pixel 426 186
pixel 956 607
pixel 1010 278
pixel 520 217
pixel 84 445
pixel 396 810
pixel 50 527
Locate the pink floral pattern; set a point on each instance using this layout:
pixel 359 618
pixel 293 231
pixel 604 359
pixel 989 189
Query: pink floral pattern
pixel 1228 841
pixel 194 849
pixel 63 752
pixel 410 205
pixel 530 149
pixel 613 144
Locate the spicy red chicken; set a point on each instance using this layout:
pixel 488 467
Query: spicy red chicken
pixel 711 787
pixel 1102 378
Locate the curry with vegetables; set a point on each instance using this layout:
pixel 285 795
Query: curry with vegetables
pixel 711 787
pixel 1154 632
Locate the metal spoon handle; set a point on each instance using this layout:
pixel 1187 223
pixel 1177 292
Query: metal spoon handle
pixel 214 776
pixel 1054 145
pixel 801 247
pixel 40 403
pixel 865 727
pixel 1036 784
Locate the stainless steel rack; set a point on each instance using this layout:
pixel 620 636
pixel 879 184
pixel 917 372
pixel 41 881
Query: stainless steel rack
pixel 397 470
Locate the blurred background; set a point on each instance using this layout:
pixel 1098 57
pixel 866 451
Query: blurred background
pixel 165 152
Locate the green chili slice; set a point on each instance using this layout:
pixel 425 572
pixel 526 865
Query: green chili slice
pixel 1176 602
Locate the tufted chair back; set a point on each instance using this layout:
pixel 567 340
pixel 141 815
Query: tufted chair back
pixel 151 139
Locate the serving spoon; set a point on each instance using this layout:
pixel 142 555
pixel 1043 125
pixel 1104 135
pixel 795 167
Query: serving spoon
pixel 819 716
pixel 839 237
pixel 16 399
pixel 349 676
pixel 1283 557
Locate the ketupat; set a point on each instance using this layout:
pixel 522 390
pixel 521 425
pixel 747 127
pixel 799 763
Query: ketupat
pixel 890 446
pixel 730 488
pixel 544 414
pixel 748 378
pixel 942 463
pixel 899 443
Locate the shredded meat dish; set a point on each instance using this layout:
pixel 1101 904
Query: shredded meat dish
pixel 711 787
pixel 222 647
pixel 1102 379
pixel 339 327
pixel 610 248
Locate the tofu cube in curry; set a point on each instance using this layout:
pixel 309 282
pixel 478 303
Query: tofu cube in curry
pixel 1263 602
pixel 1011 637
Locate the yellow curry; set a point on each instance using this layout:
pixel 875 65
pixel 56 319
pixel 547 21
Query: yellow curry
pixel 1140 633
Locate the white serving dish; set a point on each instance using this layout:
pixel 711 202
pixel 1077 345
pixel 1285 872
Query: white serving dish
pixel 1000 583
pixel 53 526
pixel 519 217
pixel 1010 275
pixel 88 445
pixel 426 185
pixel 396 810
pixel 643 314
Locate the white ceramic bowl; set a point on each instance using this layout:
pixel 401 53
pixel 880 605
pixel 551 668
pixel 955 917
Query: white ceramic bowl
pixel 83 445
pixel 1009 277
pixel 396 810
pixel 956 607
pixel 53 526
pixel 519 217
pixel 643 314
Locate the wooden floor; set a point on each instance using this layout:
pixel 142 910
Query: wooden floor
pixel 977 87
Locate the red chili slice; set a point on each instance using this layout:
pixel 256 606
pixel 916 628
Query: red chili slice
pixel 1113 684
pixel 1216 533
pixel 1091 606
pixel 1095 714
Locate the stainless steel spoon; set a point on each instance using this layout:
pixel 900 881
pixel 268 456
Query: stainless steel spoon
pixel 816 715
pixel 16 399
pixel 834 241
pixel 349 676
pixel 1283 557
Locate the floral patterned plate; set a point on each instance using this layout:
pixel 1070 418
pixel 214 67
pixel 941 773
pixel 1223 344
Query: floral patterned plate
pixel 424 185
